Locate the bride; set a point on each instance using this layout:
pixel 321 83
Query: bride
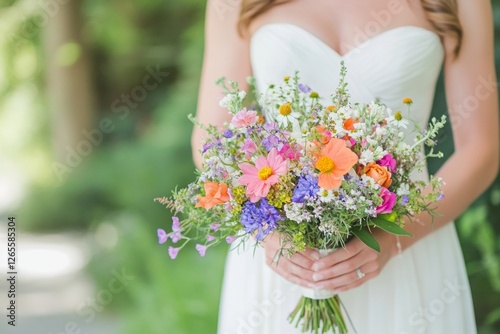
pixel 392 49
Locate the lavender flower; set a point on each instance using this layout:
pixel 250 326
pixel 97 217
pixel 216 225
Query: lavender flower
pixel 201 249
pixel 162 236
pixel 228 134
pixel 404 200
pixel 307 188
pixel 172 252
pixel 270 142
pixel 263 218
pixel 304 88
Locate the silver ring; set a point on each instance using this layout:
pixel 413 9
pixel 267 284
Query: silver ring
pixel 360 273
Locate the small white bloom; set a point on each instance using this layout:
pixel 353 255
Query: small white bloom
pixel 366 157
pixel 242 95
pixel 325 195
pixel 404 189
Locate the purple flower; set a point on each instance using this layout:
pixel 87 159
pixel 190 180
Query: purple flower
pixel 440 197
pixel 263 218
pixel 389 162
pixel 175 236
pixel 306 188
pixel 388 201
pixel 206 147
pixel 270 142
pixel 172 252
pixel 214 227
pixel 162 236
pixel 176 226
pixel 230 239
pixel 210 238
pixel 228 133
pixel 201 249
pixel 270 126
pixel 304 88
pixel 404 200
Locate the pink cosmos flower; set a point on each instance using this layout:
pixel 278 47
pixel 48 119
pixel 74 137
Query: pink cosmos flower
pixel 389 162
pixel 172 252
pixel 388 201
pixel 244 118
pixel 259 178
pixel 201 249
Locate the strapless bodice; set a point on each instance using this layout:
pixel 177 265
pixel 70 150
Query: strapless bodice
pixel 398 63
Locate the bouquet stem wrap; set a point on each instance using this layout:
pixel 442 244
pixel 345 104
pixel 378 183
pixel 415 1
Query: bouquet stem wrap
pixel 319 311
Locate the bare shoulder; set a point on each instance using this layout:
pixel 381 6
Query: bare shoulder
pixel 222 16
pixel 476 18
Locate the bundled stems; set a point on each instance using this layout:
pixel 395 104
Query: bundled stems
pixel 319 316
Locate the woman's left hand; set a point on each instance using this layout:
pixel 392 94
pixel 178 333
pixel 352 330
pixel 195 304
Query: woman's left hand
pixel 349 267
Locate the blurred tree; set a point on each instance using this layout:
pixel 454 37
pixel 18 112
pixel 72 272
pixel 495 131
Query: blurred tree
pixel 69 85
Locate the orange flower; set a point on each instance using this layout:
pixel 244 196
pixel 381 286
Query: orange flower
pixel 379 174
pixel 407 100
pixel 215 194
pixel 333 162
pixel 349 124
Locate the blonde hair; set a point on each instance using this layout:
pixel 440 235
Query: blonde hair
pixel 442 14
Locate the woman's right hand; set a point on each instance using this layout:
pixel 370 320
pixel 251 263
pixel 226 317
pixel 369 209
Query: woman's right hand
pixel 296 269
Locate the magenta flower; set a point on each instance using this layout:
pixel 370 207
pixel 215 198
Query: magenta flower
pixel 210 238
pixel 162 236
pixel 287 152
pixel 389 162
pixel 201 249
pixel 172 252
pixel 259 178
pixel 230 239
pixel 388 201
pixel 244 118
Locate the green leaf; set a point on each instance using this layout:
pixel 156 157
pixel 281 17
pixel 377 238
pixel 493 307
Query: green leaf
pixel 367 238
pixel 390 227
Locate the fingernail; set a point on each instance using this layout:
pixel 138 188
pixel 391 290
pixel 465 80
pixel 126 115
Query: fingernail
pixel 315 256
pixel 317 277
pixel 317 266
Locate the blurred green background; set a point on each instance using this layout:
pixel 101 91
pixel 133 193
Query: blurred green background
pixel 94 99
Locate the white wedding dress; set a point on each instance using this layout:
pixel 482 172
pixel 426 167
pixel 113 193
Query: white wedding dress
pixel 423 290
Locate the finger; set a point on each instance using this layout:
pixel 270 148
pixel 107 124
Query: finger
pixel 291 267
pixel 341 254
pixel 289 276
pixel 311 254
pixel 297 258
pixel 351 277
pixel 358 282
pixel 342 268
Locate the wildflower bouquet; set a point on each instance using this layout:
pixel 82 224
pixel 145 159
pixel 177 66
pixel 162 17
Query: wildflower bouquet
pixel 316 173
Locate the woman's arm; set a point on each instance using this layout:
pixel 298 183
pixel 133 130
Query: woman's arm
pixel 226 55
pixel 471 92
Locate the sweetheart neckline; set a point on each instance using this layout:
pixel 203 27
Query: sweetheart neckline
pixel 352 50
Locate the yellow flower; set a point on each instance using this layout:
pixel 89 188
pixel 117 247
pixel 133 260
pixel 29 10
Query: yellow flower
pixel 314 95
pixel 407 100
